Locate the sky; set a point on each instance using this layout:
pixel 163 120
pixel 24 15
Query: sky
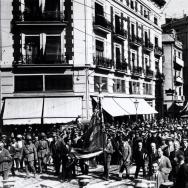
pixel 176 8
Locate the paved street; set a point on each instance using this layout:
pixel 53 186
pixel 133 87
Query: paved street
pixel 50 180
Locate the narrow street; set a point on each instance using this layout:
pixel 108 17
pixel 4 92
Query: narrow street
pixel 52 181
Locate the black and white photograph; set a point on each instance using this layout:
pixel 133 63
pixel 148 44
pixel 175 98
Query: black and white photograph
pixel 93 93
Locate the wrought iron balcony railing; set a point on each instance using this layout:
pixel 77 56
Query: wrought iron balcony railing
pixel 121 66
pixel 41 16
pixel 148 45
pixel 37 60
pixel 137 71
pixel 100 20
pixel 120 31
pixel 158 50
pixel 135 40
pixel 149 73
pixel 103 62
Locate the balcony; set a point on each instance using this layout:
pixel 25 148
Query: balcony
pixel 102 62
pixel 102 24
pixel 135 40
pixel 121 66
pixel 149 73
pixel 148 46
pixel 120 33
pixel 178 63
pixel 159 76
pixel 178 80
pixel 158 51
pixel 41 61
pixel 41 19
pixel 136 71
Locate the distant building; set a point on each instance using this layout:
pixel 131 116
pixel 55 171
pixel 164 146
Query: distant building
pixel 173 70
pixel 58 52
pixel 181 28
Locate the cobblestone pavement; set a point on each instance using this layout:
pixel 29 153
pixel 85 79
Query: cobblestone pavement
pixel 49 179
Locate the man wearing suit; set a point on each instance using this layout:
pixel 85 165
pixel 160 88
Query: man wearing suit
pixel 164 164
pixel 125 153
pixel 153 156
pixel 182 175
pixel 108 150
pixel 140 158
pixel 174 160
pixel 5 160
pixel 157 175
pixel 185 147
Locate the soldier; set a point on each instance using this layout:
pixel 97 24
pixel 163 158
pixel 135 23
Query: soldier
pixel 5 160
pixel 29 155
pixel 42 151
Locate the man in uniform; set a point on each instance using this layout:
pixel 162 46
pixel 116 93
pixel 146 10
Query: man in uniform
pixel 29 155
pixel 42 151
pixel 5 159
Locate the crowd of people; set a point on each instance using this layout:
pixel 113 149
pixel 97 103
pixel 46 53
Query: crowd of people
pixel 159 148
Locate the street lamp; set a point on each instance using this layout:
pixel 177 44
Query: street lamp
pixel 136 107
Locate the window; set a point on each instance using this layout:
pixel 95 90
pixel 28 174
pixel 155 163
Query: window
pixel 156 41
pixel 127 2
pixel 133 30
pixel 136 6
pixel 134 87
pixel 146 38
pixel 32 50
pixel 117 24
pixel 53 49
pixel 132 4
pixel 155 20
pixel 147 89
pixel 118 55
pixel 119 86
pixel 58 82
pixel 99 48
pixel 141 9
pixel 100 80
pixel 28 83
pixel 99 9
pixel 33 83
pixel 179 55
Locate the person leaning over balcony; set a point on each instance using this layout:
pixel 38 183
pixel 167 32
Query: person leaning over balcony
pixel 5 161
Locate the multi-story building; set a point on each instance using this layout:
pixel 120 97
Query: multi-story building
pixel 61 51
pixel 181 28
pixel 173 70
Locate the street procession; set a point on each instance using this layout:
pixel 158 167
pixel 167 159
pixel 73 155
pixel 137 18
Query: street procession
pixel 93 94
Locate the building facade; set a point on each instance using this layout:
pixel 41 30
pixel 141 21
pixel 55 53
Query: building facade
pixel 60 53
pixel 181 28
pixel 173 70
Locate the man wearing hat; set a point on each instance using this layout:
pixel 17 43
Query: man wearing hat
pixel 5 160
pixel 29 153
pixel 42 151
pixel 185 147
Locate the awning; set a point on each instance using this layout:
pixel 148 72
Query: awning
pixel 112 107
pixel 61 109
pixel 20 111
pixel 142 109
pixel 119 106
